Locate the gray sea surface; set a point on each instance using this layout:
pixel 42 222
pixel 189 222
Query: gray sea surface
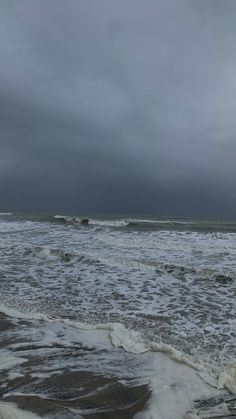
pixel 142 305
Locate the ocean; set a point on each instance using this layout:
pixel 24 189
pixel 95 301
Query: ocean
pixel 117 317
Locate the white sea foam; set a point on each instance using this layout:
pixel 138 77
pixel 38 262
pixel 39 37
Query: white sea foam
pixel 173 381
pixel 173 354
pixel 227 378
pixel 60 217
pixel 121 337
pixel 7 226
pixel 46 252
pixel 14 375
pixel 129 340
pixel 220 411
pixel 42 375
pixel 132 341
pixel 92 221
pixel 174 387
pixel 12 312
pixel 68 219
pixel 140 220
pixel 7 361
pixel 108 223
pixel 11 411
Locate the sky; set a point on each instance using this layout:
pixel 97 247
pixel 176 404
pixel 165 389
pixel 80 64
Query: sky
pixel 118 106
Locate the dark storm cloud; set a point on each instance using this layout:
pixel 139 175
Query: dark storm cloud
pixel 118 106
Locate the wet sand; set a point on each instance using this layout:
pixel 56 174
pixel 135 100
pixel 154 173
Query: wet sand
pixel 63 391
pixel 68 393
pixel 113 401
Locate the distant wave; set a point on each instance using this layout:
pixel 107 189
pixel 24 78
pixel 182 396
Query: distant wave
pixel 71 220
pixel 176 225
pixel 140 220
pixel 205 226
pixel 133 222
pixel 47 252
pixel 5 213
pixel 92 221
pixel 109 223
pixel 160 268
pixel 65 255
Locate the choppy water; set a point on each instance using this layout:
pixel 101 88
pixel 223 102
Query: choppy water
pixel 147 302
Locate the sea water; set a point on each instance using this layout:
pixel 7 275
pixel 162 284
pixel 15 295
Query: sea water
pixel 121 317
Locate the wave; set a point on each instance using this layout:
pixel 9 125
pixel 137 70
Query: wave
pixel 200 225
pixel 65 255
pixel 91 221
pixel 109 223
pixel 206 227
pixel 180 271
pixel 121 337
pixel 50 253
pixel 131 341
pixel 72 220
pixel 160 268
pixel 5 213
pixel 146 221
pixel 174 379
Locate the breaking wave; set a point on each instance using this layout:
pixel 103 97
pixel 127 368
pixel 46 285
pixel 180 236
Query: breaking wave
pixel 204 226
pixel 183 378
pixel 121 337
pixel 109 223
pixel 160 268
pixel 92 221
pixel 132 341
pixel 50 253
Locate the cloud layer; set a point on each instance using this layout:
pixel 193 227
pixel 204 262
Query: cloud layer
pixel 122 106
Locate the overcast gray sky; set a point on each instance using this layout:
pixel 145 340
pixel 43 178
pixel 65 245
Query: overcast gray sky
pixel 118 106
